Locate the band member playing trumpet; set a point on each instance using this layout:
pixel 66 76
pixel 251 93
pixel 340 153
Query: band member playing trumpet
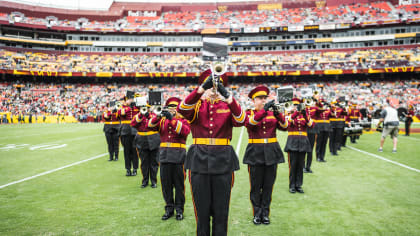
pixel 127 134
pixel 322 120
pixel 311 110
pixel 297 144
pixel 173 131
pixel 147 145
pixel 211 160
pixel 337 122
pixel 355 116
pixel 263 152
pixel 111 128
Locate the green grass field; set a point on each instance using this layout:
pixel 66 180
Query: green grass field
pixel 352 194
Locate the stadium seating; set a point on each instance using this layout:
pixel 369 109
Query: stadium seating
pixel 346 60
pixel 354 13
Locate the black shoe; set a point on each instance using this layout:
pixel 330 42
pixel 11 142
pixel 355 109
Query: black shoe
pixel 299 190
pixel 134 172
pixel 167 215
pixel 338 149
pixel 292 190
pixel 257 220
pixel 305 170
pixel 154 186
pixel 116 159
pixel 179 216
pixel 110 159
pixel 143 186
pixel 265 220
pixel 321 160
pixel 308 171
pixel 128 173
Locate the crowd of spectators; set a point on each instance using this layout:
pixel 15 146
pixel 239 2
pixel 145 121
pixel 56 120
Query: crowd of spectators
pixel 83 100
pixel 305 61
pixel 353 13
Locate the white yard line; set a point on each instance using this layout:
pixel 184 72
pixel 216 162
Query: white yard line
pixel 402 136
pixel 52 171
pixel 384 159
pixel 238 146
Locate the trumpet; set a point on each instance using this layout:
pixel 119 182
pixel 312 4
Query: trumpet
pixel 282 107
pixel 159 109
pixel 143 110
pixel 217 69
pixel 308 101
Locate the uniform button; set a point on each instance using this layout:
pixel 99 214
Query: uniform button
pixel 169 136
pixel 211 112
pixel 265 132
pixel 263 122
pixel 211 118
pixel 210 132
pixel 211 124
pixel 170 132
pixel 170 127
pixel 263 127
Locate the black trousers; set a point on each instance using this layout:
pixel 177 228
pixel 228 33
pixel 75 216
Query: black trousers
pixel 344 140
pixel 149 165
pixel 335 139
pixel 296 163
pixel 321 144
pixel 407 126
pixel 172 176
pixel 211 197
pixel 262 180
pixel 113 142
pixel 130 157
pixel 312 138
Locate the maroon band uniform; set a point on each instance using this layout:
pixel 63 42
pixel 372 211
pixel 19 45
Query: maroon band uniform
pixel 111 129
pixel 262 155
pixel 297 146
pixel 173 136
pixel 211 160
pixel 147 144
pixel 127 134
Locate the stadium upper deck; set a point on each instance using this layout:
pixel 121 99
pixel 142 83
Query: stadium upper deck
pixel 216 18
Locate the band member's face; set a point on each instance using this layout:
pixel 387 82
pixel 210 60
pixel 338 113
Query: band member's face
pixel 259 102
pixel 172 110
pixel 211 94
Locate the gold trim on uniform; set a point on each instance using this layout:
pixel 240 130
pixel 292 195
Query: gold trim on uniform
pixel 322 121
pixel 147 133
pixel 298 133
pixel 178 127
pixel 151 125
pixel 173 145
pixel 262 140
pixel 240 118
pixel 211 141
pixel 259 93
pixel 126 122
pixel 112 122
pixel 285 124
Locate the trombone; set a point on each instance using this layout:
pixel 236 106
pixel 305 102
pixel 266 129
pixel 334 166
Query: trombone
pixel 285 106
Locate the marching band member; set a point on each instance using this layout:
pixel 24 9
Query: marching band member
pixel 127 134
pixel 337 127
pixel 111 128
pixel 297 145
pixel 355 116
pixel 263 152
pixel 312 134
pixel 147 145
pixel 322 120
pixel 211 160
pixel 173 129
pixel 409 119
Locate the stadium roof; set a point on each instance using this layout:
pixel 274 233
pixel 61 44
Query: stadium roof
pixel 105 4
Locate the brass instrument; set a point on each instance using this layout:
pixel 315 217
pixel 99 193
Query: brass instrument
pixel 159 109
pixel 143 110
pixel 217 69
pixel 285 106
pixel 308 101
